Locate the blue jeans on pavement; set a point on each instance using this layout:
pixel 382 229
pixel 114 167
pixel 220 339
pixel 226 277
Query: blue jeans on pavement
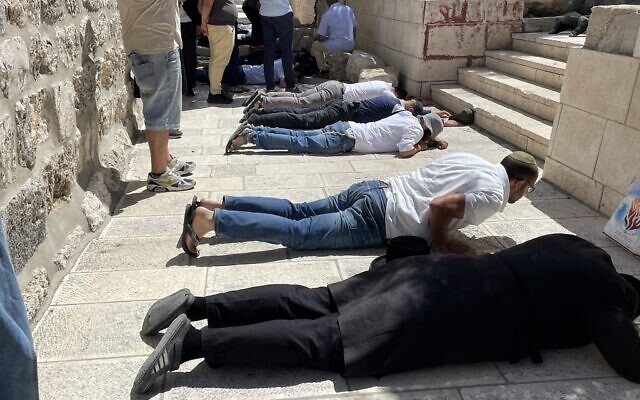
pixel 18 369
pixel 331 139
pixel 354 218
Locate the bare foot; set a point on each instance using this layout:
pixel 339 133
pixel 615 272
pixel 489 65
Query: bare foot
pixel 441 144
pixel 452 123
pixel 211 204
pixel 238 142
pixel 201 224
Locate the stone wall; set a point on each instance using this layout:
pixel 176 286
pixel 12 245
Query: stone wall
pixel 594 151
pixel 305 10
pixel 427 41
pixel 65 126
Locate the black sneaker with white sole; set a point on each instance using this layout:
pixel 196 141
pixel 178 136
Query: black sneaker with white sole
pixel 165 357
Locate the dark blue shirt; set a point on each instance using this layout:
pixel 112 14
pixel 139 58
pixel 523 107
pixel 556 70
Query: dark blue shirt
pixel 375 109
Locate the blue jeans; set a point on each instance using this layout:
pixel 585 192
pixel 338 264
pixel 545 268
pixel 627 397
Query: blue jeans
pixel 18 369
pixel 282 28
pixel 354 218
pixel 331 139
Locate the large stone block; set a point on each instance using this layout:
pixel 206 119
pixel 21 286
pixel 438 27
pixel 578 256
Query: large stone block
pixel 3 18
pixel 599 83
pixel 85 83
pixel 613 29
pixel 387 74
pixel 35 292
pixel 25 222
pixel 93 5
pixel 43 55
pixel 360 60
pixel 72 6
pixel 52 11
pixel 299 33
pixel 33 9
pixel 59 173
pixel 633 117
pixel 337 65
pixel 16 13
pixel 8 151
pixel 453 11
pixel 577 139
pixel 501 11
pixel 14 66
pixel 64 111
pixel 102 29
pixel 111 68
pixel 499 35
pixel 457 40
pixel 413 43
pixel 582 187
pixel 618 160
pixel 69 44
pixel 32 126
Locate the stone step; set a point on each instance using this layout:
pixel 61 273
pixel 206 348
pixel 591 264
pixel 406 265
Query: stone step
pixel 546 45
pixel 540 24
pixel 516 92
pixel 542 70
pixel 518 128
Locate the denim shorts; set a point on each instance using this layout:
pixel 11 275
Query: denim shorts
pixel 159 80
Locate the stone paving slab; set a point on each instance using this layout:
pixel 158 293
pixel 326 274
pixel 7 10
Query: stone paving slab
pixel 88 342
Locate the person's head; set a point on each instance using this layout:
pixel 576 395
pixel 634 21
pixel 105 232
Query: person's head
pixel 432 125
pixel 304 64
pixel 415 106
pixel 522 171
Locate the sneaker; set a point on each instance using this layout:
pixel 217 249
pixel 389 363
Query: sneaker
pixel 165 357
pixel 219 99
pixel 294 89
pixel 175 133
pixel 181 167
pixel 169 182
pixel 164 311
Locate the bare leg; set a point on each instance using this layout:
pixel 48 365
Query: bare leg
pixel 159 149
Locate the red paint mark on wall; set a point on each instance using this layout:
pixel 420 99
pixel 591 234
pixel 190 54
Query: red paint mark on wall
pixel 450 13
pixel 505 8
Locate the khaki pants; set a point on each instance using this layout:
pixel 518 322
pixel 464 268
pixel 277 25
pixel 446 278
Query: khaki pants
pixel 220 45
pixel 318 49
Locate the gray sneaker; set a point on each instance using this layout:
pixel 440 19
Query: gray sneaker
pixel 165 357
pixel 169 182
pixel 165 310
pixel 181 167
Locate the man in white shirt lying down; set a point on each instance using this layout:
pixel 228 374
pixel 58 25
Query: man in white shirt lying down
pixel 401 132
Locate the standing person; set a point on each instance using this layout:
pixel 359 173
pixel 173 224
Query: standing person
pixel 336 32
pixel 18 371
pixel 276 17
pixel 218 23
pixel 151 36
pixel 189 21
pixel 251 10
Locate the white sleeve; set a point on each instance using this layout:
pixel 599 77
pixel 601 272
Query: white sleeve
pixel 478 206
pixel 410 137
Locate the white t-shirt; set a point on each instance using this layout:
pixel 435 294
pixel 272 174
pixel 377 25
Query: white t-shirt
pixel 254 74
pixel 399 132
pixel 274 8
pixel 366 90
pixel 150 26
pixel 485 187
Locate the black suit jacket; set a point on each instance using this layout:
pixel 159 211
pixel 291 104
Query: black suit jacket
pixel 556 291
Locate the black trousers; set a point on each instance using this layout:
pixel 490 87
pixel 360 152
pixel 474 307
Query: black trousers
pixel 305 118
pixel 273 325
pixel 189 39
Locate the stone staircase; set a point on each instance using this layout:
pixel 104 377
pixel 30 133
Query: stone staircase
pixel 516 94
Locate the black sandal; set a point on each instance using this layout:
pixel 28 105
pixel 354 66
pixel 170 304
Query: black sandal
pixel 187 229
pixel 237 133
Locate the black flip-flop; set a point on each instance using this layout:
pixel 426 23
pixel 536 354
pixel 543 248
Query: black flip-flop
pixel 187 229
pixel 251 98
pixel 251 102
pixel 234 136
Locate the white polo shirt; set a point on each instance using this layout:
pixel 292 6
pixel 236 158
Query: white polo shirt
pixel 274 8
pixel 254 74
pixel 398 132
pixel 366 90
pixel 485 187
